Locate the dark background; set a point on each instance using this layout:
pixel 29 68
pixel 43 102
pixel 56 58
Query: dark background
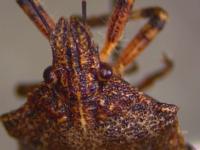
pixel 25 53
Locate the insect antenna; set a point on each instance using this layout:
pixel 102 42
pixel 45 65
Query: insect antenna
pixel 84 10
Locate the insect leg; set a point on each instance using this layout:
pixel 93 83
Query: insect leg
pixel 116 26
pixel 157 19
pixel 153 77
pixel 38 15
pixel 24 88
pixel 98 21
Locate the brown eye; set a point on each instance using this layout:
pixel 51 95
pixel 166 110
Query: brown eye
pixel 105 71
pixel 48 75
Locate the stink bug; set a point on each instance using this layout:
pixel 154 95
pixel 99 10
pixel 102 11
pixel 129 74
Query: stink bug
pixel 83 102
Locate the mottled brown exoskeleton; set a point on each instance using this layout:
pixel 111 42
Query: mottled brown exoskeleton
pixel 83 102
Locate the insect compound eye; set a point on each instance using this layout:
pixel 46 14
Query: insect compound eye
pixel 48 75
pixel 105 71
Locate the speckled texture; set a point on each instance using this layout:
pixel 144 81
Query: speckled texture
pixel 119 117
pixel 82 104
pixel 66 111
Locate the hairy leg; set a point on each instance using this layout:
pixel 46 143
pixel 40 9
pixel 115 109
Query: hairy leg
pixel 157 19
pixel 150 79
pixel 38 15
pixel 44 23
pixel 116 26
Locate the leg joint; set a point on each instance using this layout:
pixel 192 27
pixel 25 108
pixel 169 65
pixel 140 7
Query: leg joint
pixel 158 16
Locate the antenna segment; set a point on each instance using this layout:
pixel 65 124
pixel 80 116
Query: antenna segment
pixel 84 10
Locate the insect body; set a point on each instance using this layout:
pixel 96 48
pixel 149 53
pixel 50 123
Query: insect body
pixel 83 103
